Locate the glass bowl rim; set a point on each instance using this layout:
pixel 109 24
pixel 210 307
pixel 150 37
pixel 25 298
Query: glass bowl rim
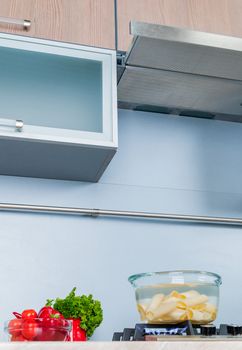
pixel 67 327
pixel 133 278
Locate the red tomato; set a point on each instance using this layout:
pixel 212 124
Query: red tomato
pixel 29 314
pixel 30 329
pixel 14 327
pixel 18 338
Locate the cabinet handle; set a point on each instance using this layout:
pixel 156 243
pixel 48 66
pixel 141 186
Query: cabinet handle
pixel 17 124
pixel 25 23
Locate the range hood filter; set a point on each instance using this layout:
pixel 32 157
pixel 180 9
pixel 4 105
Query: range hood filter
pixel 182 70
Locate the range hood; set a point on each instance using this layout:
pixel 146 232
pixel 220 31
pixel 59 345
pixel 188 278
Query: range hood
pixel 183 72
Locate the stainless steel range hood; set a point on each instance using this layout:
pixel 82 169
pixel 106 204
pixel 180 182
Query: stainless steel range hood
pixel 183 72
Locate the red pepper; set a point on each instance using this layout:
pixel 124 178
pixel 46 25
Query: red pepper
pixel 77 333
pixel 49 312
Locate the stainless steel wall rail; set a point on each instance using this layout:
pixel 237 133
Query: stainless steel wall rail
pixel 119 213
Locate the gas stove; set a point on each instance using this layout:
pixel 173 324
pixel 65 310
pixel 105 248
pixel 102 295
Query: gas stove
pixel 180 331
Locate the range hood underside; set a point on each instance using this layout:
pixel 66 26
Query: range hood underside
pixel 179 93
pixel 182 72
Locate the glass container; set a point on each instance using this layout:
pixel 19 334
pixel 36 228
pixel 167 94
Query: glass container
pixel 176 296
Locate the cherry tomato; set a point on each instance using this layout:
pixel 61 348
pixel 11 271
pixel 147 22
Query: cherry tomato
pixel 30 329
pixel 18 338
pixel 29 314
pixel 14 327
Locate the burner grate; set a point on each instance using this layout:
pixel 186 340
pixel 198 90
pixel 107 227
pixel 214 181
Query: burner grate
pixel 143 331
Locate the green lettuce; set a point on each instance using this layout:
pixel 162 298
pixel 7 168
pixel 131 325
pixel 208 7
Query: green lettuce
pixel 82 307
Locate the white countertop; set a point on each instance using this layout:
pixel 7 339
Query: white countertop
pixel 164 345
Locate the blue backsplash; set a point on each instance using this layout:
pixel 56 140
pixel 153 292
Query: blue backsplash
pixel 164 164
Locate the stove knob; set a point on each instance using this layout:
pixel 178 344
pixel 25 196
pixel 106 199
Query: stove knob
pixel 234 329
pixel 208 330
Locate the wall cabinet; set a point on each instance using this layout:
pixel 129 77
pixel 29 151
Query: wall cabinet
pixel 215 16
pixel 86 22
pixel 65 95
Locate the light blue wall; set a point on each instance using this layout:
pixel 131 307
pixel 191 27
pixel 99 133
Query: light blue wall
pixel 164 163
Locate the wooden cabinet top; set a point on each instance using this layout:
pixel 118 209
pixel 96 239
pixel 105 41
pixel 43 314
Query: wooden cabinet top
pixel 86 22
pixel 215 16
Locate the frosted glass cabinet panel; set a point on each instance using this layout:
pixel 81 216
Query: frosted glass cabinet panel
pixel 59 88
pixel 64 98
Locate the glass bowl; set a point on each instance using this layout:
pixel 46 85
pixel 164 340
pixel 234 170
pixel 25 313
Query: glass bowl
pixel 176 296
pixel 38 329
